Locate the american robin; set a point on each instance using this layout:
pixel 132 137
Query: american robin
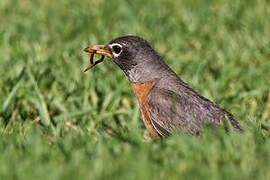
pixel 166 102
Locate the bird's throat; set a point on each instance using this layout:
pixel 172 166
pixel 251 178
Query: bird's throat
pixel 146 72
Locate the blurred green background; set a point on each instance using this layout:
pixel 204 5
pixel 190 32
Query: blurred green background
pixel 60 123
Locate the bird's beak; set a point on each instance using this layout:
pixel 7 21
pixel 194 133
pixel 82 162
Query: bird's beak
pixel 99 49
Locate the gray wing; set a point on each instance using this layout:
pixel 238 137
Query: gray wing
pixel 175 112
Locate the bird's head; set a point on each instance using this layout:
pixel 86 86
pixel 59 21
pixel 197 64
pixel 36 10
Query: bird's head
pixel 132 54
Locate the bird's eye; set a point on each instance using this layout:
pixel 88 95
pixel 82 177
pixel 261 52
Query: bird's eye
pixel 117 49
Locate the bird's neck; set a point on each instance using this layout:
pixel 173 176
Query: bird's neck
pixel 148 71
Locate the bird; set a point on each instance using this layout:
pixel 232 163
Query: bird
pixel 167 103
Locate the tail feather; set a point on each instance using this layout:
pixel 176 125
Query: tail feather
pixel 233 121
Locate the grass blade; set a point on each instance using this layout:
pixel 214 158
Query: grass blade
pixel 40 102
pixel 10 98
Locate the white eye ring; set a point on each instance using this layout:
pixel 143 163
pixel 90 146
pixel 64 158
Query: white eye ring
pixel 116 49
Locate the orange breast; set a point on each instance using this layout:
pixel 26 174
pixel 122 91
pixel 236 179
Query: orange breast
pixel 142 91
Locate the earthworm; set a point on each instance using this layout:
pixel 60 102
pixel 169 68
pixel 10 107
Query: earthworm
pixel 92 63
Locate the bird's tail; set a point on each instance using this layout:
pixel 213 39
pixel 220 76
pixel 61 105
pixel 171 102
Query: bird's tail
pixel 233 122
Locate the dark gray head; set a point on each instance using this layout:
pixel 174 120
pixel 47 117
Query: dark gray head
pixel 129 51
pixel 135 56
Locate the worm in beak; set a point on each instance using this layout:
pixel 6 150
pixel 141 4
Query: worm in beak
pixel 96 49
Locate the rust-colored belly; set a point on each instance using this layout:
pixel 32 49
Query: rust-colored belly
pixel 142 91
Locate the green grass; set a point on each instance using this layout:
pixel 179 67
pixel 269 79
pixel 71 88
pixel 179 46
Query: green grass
pixel 57 122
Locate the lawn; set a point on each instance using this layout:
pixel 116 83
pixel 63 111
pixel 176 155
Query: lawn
pixel 57 122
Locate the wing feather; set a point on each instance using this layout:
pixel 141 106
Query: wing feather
pixel 175 112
